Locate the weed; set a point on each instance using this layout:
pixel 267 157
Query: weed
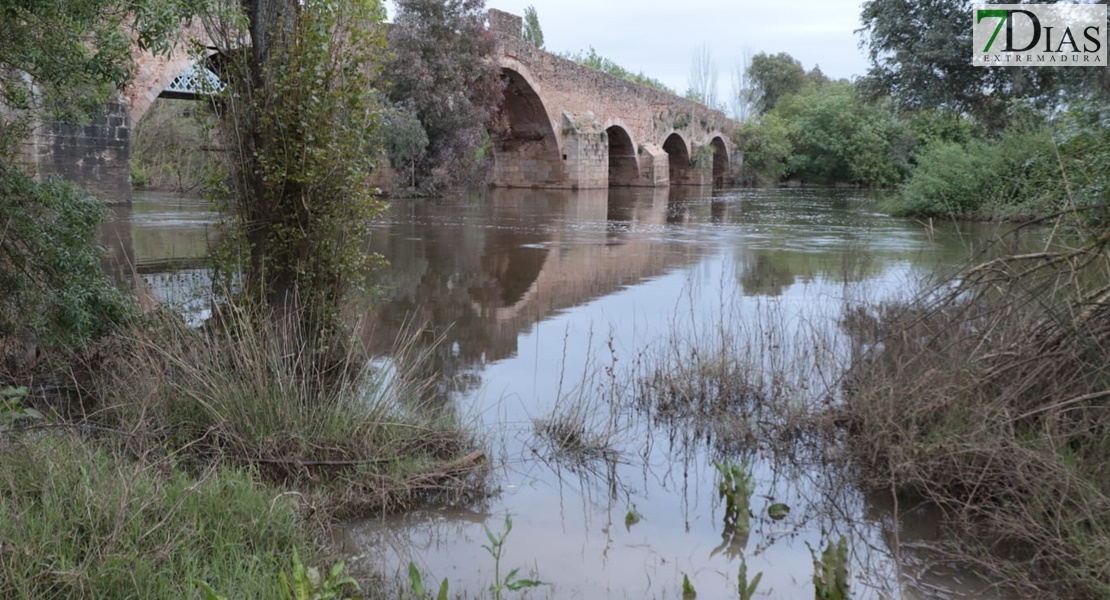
pixel 81 520
pixel 830 571
pixel 352 437
pixel 688 591
pixel 12 409
pixel 495 548
pixel 632 517
pixel 736 488
pixel 416 583
pixel 987 397
pixel 747 588
pixel 303 583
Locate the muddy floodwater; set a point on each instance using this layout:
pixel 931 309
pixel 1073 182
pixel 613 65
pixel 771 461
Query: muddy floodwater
pixel 547 304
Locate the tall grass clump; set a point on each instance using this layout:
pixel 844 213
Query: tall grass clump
pixel 353 437
pixel 80 520
pixel 988 398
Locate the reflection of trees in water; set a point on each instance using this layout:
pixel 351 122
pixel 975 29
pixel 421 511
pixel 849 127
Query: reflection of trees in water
pixel 761 275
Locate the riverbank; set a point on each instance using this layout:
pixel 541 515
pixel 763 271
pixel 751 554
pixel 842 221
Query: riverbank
pixel 214 456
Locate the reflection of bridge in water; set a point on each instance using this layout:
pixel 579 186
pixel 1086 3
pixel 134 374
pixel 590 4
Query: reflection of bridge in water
pixel 480 275
pixel 477 274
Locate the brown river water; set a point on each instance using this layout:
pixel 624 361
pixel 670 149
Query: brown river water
pixel 552 301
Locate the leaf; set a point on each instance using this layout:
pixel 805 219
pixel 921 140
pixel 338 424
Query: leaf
pixel 520 584
pixel 209 593
pixel 778 511
pixel 13 392
pixel 688 591
pixel 442 595
pixel 416 582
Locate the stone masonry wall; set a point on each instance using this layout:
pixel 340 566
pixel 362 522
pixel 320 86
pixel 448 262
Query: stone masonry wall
pixel 96 156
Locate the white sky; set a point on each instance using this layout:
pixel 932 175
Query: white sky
pixel 660 37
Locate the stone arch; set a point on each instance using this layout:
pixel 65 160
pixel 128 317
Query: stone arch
pixel 720 160
pixel 624 167
pixel 678 158
pixel 525 149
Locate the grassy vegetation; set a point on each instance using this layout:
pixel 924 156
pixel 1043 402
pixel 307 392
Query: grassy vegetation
pixel 352 438
pixel 81 519
pixel 1038 165
pixel 213 456
pixel 987 398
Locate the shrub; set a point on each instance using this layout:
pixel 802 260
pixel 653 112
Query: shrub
pixel 1013 175
pixel 50 270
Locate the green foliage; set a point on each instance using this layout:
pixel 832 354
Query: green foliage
pixel 778 511
pixel 495 548
pixel 766 145
pixel 839 137
pixel 168 147
pixel 1082 137
pixel 632 517
pixel 442 64
pixel 830 571
pixel 77 53
pixel 1012 174
pixel 533 34
pixel 54 288
pixel 592 59
pixel 12 409
pixel 919 53
pixel 306 583
pixel 80 521
pixel 688 591
pixel 404 138
pixel 736 488
pixel 776 76
pixel 747 588
pixel 297 118
pixel 416 582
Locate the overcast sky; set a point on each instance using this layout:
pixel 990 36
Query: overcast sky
pixel 660 37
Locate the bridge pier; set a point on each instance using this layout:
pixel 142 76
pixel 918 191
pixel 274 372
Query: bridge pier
pixel 96 156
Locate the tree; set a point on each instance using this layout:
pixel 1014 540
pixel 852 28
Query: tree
pixel 837 136
pixel 745 98
pixel 920 57
pixel 72 55
pixel 776 76
pixel 62 59
pixel 443 64
pixel 297 114
pixel 703 77
pixel 533 34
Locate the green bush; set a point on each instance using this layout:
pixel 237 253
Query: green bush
pixel 839 138
pixel 1014 175
pixel 50 270
pixel 766 146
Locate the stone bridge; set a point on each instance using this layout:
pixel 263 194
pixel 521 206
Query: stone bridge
pixel 570 126
pixel 562 125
